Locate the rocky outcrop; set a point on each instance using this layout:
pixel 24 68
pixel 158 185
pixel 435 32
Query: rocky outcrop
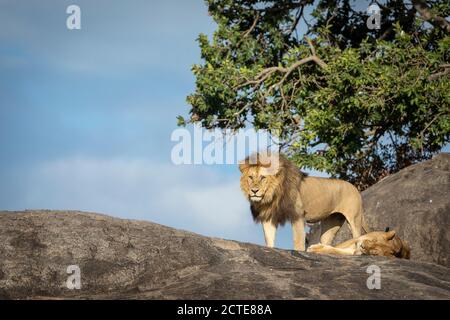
pixel 415 202
pixel 142 260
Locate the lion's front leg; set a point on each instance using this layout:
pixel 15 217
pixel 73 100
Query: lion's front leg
pixel 298 232
pixel 327 249
pixel 269 233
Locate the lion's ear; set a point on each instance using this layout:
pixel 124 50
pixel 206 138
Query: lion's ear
pixel 243 165
pixel 270 164
pixel 389 235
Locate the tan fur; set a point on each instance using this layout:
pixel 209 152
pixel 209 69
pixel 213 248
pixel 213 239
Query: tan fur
pixel 377 243
pixel 279 192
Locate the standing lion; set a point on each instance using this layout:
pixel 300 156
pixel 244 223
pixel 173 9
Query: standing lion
pixel 279 192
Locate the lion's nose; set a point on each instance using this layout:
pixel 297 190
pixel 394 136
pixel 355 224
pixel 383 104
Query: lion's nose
pixel 254 190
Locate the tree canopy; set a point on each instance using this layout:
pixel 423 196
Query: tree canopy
pixel 344 99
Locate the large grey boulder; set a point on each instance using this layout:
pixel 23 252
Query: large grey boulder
pixel 128 259
pixel 415 202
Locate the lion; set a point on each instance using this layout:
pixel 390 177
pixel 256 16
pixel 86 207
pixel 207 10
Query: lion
pixel 279 192
pixel 377 243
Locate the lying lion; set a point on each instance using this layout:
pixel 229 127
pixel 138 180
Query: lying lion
pixel 377 243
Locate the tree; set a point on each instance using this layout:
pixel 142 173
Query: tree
pixel 356 103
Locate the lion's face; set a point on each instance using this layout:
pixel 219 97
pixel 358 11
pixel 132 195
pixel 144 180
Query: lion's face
pixel 257 184
pixel 271 183
pixel 382 244
pixel 374 248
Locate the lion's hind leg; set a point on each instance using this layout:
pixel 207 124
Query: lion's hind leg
pixel 355 223
pixel 330 226
pixel 353 213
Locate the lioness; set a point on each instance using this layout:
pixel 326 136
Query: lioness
pixel 375 243
pixel 278 192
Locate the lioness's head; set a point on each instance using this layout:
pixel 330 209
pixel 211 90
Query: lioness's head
pixel 260 176
pixel 380 243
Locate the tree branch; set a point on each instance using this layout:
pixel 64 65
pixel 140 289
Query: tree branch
pixel 264 74
pixel 424 11
pixel 287 6
pixel 297 19
pixel 252 27
pixel 437 75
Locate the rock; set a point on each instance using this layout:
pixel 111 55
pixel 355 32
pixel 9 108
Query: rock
pixel 126 259
pixel 415 202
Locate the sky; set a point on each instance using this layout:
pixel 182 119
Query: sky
pixel 86 116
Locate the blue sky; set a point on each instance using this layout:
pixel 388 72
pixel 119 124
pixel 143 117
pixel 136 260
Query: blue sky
pixel 86 115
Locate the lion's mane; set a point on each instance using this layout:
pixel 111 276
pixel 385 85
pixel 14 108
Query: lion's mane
pixel 280 196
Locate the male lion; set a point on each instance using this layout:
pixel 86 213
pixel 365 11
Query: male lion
pixel 278 192
pixel 377 243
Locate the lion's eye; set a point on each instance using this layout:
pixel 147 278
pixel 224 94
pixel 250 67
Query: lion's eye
pixel 263 177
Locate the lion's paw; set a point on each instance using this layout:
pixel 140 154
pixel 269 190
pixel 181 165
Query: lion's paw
pixel 315 247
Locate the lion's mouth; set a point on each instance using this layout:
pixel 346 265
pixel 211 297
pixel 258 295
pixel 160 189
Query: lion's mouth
pixel 255 198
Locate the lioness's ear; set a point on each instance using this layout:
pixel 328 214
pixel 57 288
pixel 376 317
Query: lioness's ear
pixel 389 235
